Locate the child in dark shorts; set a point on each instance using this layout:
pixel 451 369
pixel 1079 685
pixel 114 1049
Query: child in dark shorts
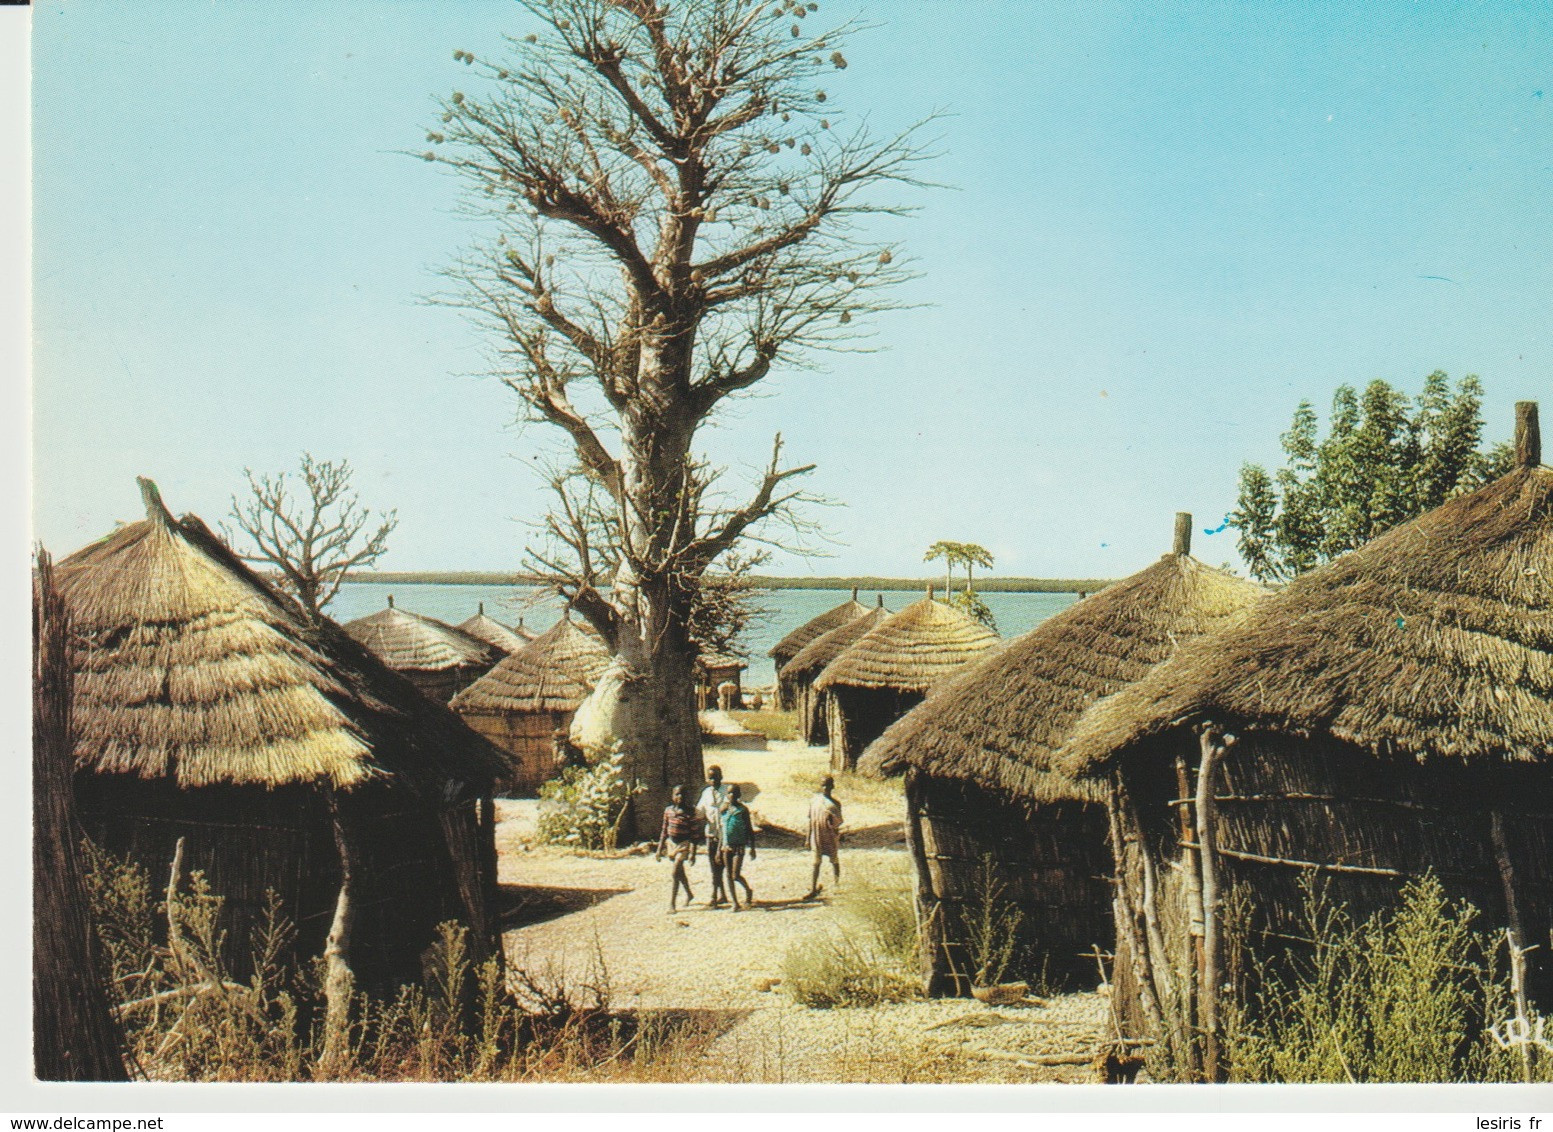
pixel 678 838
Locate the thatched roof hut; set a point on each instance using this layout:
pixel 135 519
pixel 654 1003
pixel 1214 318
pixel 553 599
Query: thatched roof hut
pixel 434 656
pixel 211 714
pixel 713 671
pixel 889 669
pixel 986 802
pixel 522 703
pixel 809 661
pixel 494 633
pixel 788 647
pixel 1386 715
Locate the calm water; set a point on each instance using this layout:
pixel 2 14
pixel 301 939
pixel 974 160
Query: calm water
pixel 786 610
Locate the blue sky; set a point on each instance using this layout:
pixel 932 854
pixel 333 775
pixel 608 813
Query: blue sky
pixel 1169 223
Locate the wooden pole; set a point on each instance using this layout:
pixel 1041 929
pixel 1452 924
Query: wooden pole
pixel 339 981
pixel 1528 435
pixel 1127 917
pixel 1182 543
pixel 1514 935
pixel 1191 992
pixel 1213 745
pixel 75 1037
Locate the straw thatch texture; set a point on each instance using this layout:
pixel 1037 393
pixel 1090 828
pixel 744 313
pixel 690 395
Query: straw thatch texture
pixel 525 700
pixel 209 709
pixel 75 1038
pixel 1393 715
pixel 910 651
pixel 980 755
pixel 493 632
pixel 1433 641
pixel 889 669
pixel 809 661
pixel 788 647
pixel 999 721
pixel 437 658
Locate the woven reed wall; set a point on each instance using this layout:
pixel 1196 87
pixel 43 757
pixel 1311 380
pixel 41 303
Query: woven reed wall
pixel 810 706
pixel 1324 803
pixel 248 839
pixel 855 717
pixel 529 737
pixel 1051 861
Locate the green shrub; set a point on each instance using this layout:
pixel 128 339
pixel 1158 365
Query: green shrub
pixel 1407 996
pixel 583 807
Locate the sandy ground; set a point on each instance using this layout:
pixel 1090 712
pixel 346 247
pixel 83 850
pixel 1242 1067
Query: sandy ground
pixel 584 917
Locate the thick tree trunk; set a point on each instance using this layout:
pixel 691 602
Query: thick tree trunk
pixel 74 1036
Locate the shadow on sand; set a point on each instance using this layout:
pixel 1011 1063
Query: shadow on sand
pixel 519 905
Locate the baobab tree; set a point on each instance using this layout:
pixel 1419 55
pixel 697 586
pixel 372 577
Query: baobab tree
pixel 678 211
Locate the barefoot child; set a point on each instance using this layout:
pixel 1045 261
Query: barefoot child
pixel 681 831
pixel 738 836
pixel 714 799
pixel 824 833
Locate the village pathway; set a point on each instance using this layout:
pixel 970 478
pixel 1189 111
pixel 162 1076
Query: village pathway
pixel 603 918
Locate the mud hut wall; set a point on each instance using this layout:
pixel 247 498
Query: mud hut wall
pixel 1381 821
pixel 529 737
pixel 862 715
pixel 1050 862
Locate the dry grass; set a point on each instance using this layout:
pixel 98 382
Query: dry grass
pixel 780 725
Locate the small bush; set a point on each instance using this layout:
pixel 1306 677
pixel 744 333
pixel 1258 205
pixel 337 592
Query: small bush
pixel 991 927
pixel 583 807
pixel 869 957
pixel 1404 997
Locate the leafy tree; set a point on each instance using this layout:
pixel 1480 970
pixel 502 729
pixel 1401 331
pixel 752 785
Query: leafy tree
pixel 315 536
pixel 677 211
pixel 969 555
pixel 1384 460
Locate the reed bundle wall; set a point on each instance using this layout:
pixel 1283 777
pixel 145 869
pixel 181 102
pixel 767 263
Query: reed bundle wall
pixel 442 685
pixel 247 840
pixel 1288 808
pixel 529 737
pixel 1049 862
pixel 855 717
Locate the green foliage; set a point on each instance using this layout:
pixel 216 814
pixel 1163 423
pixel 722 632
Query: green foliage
pixel 1404 997
pixel 582 807
pixel 991 927
pixel 1384 460
pixel 970 603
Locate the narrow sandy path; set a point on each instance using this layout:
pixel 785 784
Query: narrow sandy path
pixel 591 918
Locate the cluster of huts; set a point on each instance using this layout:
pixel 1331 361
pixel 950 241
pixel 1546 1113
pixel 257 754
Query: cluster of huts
pixel 1182 736
pixel 219 729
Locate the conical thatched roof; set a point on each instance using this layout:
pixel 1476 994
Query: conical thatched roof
pixel 1000 721
pixel 831 619
pixel 412 642
pixel 553 672
pixel 910 651
pixel 1435 640
pixel 493 632
pixel 190 667
pixel 815 655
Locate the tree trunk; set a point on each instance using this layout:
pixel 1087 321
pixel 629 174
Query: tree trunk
pixel 74 1035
